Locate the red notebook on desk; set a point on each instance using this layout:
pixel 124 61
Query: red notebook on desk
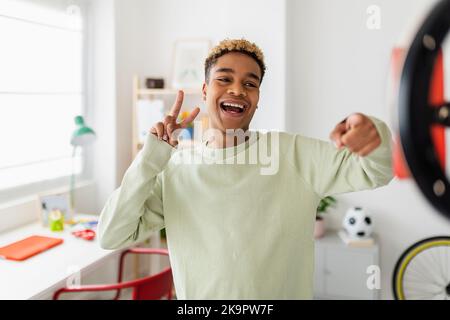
pixel 28 247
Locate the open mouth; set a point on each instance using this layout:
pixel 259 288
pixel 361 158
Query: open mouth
pixel 232 108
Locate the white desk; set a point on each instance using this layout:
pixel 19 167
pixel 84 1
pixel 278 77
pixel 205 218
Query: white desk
pixel 48 271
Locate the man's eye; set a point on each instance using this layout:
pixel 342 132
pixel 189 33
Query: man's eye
pixel 223 80
pixel 249 84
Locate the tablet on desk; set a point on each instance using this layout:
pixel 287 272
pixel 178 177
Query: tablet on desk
pixel 28 247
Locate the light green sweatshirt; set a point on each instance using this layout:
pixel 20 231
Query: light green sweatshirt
pixel 238 230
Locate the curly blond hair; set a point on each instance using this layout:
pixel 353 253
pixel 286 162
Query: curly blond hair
pixel 234 45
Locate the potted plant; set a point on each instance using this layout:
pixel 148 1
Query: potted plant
pixel 324 204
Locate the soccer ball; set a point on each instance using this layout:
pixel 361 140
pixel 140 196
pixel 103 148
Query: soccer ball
pixel 358 223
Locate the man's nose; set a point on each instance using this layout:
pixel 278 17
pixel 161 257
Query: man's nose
pixel 237 90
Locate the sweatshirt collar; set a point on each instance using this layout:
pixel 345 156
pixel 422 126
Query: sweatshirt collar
pixel 224 153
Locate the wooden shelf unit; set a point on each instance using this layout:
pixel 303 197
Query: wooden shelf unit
pixel 140 93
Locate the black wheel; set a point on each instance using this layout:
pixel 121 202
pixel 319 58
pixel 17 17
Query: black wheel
pixel 423 271
pixel 416 116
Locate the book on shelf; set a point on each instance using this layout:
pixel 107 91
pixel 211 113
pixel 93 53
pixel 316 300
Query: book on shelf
pixel 356 242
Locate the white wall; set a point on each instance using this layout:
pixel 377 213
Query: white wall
pixel 102 99
pixel 130 59
pixel 338 66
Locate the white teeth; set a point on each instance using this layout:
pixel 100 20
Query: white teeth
pixel 233 105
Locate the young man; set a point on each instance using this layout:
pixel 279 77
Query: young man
pixel 233 231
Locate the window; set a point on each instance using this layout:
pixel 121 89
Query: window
pixel 41 89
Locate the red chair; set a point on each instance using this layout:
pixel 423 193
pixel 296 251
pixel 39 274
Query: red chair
pixel 152 287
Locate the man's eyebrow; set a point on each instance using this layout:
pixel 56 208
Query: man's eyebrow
pixel 229 70
pixel 225 70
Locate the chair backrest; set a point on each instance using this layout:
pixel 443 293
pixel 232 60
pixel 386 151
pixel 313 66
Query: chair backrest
pixel 151 287
pixel 155 287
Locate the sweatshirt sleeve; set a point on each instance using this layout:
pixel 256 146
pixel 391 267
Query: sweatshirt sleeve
pixel 135 209
pixel 329 170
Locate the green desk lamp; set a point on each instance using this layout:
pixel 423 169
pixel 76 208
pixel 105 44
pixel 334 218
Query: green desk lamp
pixel 82 136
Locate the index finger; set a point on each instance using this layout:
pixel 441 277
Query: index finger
pixel 337 133
pixel 177 105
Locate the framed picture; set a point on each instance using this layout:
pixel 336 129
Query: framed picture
pixel 49 202
pixel 188 64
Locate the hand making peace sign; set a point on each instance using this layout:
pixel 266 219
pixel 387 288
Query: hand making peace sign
pixel 166 130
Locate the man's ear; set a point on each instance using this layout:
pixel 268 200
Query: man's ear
pixel 204 89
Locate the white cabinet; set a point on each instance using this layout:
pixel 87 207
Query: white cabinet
pixel 342 272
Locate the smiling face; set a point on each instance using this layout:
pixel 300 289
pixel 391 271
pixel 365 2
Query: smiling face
pixel 232 91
